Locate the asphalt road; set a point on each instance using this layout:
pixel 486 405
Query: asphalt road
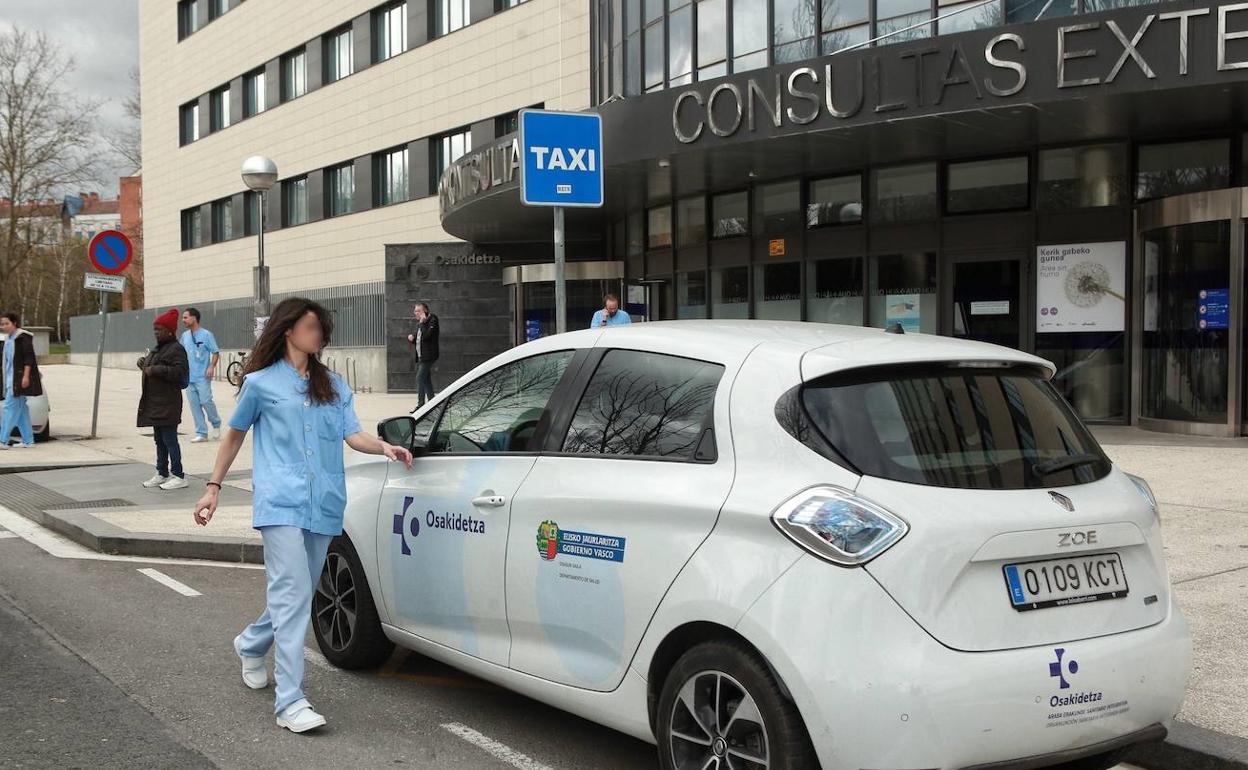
pixel 110 662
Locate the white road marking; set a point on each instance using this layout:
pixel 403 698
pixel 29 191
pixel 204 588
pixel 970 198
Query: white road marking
pixel 317 659
pixel 7 535
pixel 490 746
pixel 64 548
pixel 169 582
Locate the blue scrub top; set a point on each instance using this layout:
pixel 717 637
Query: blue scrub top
pixel 621 317
pixel 199 349
pixel 10 346
pixel 297 474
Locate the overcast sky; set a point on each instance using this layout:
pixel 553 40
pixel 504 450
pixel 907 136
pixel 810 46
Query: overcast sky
pixel 103 38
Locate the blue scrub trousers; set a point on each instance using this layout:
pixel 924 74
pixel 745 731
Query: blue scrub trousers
pixel 199 394
pixel 293 558
pixel 16 415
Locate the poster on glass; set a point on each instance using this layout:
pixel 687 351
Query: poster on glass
pixel 1081 287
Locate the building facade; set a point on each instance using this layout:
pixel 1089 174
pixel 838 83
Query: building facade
pixel 1061 176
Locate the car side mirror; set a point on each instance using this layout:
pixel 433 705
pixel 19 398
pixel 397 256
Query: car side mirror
pixel 401 431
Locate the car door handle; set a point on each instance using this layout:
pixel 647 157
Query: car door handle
pixel 489 501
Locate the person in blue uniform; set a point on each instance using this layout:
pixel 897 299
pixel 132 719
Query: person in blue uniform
pixel 611 314
pixel 301 413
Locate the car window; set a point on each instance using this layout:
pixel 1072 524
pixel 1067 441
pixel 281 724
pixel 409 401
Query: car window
pixel 423 432
pixel 964 428
pixel 647 405
pixel 500 411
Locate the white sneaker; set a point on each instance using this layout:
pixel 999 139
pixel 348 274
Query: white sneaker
pixel 255 675
pixel 215 435
pixel 155 481
pixel 174 482
pixel 4 446
pixel 25 446
pixel 199 439
pixel 299 717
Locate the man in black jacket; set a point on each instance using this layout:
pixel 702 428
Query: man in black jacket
pixel 425 340
pixel 166 372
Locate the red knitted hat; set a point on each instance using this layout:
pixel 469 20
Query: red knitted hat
pixel 169 320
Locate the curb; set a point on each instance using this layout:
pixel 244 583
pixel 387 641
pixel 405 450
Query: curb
pixel 7 469
pixel 1192 748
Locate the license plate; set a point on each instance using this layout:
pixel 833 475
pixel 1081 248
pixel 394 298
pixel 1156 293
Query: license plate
pixel 1062 582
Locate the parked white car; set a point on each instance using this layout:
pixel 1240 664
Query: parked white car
pixel 772 545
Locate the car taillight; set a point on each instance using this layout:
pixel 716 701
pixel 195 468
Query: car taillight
pixel 837 525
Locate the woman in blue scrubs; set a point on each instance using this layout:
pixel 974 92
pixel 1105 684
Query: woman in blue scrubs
pixel 301 413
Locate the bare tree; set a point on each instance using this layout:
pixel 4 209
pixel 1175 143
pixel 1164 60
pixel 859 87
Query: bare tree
pixel 46 135
pixel 126 141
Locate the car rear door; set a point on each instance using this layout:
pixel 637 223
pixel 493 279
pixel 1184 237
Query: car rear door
pixel 632 481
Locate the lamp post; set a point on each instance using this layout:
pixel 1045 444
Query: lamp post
pixel 259 174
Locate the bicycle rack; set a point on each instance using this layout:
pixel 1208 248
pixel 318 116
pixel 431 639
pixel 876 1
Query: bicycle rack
pixel 331 364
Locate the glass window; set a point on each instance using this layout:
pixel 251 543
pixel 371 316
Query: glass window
pixel 903 291
pixel 500 411
pixel 188 18
pixel 691 221
pixel 845 38
pixel 192 233
pixel 451 148
pixel 390 31
pixel 1182 167
pixel 779 206
pixel 641 404
pixel 222 221
pixel 730 293
pixel 389 177
pixel 778 291
pixel 632 65
pixel 730 215
pixel 1082 177
pixel 253 93
pixel 636 234
pixel 794 30
pixel 188 117
pixel 749 35
pixel 712 38
pixel 251 213
pixel 834 291
pixel 295 201
pixel 904 193
pixel 654 56
pixel 217 8
pixel 835 201
pixel 294 75
pixel 219 102
pixel 839 14
pixel 340 189
pixel 987 185
pixel 893 16
pixel 1090 370
pixel 691 294
pixel 654 10
pixel 339 55
pixel 1021 11
pixel 968 16
pixel 945 427
pixel 680 46
pixel 659 227
pixel 1185 366
pixel 507 124
pixel 503 5
pixel 452 15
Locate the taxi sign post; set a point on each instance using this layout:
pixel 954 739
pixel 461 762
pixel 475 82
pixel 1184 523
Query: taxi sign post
pixel 110 252
pixel 560 166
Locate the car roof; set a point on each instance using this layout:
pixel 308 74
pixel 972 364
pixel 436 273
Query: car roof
pixel 823 348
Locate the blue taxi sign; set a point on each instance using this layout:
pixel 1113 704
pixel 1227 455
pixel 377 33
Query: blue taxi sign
pixel 561 159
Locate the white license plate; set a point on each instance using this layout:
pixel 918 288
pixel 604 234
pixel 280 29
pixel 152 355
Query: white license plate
pixel 1061 582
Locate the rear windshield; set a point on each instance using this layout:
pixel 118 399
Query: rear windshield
pixel 952 427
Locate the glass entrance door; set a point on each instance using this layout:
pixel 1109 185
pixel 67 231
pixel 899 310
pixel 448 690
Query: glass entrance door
pixel 985 302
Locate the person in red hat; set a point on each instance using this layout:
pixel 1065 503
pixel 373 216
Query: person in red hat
pixel 166 372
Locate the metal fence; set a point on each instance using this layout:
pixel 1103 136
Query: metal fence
pixel 358 310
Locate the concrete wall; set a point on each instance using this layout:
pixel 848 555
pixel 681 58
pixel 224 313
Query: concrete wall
pixel 535 53
pixel 367 366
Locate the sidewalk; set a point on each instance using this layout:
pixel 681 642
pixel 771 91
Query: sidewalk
pixel 1201 484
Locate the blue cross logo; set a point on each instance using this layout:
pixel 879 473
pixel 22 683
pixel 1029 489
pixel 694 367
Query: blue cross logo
pixel 398 525
pixel 1055 669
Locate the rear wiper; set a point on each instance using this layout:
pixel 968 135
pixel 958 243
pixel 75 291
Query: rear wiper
pixel 1048 467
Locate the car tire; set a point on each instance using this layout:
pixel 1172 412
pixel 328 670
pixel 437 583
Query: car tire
pixel 44 434
pixel 1098 762
pixel 341 589
pixel 722 677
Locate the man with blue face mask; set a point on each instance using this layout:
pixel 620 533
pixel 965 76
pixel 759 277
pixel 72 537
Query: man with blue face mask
pixel 203 354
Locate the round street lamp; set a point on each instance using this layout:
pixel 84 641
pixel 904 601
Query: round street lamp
pixel 260 174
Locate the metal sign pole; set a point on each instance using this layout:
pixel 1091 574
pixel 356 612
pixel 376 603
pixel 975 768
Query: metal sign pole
pixel 99 363
pixel 561 286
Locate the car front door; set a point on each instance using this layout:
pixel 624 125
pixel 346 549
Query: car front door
pixel 443 525
pixel 631 484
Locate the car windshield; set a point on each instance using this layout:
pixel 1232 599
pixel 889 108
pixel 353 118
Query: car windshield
pixel 951 426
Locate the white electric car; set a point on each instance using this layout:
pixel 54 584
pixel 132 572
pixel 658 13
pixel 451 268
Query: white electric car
pixel 773 545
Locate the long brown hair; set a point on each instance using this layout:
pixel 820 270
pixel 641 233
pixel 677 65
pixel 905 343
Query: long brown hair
pixel 271 347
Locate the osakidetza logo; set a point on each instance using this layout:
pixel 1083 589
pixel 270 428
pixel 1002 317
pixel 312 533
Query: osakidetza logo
pixel 453 522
